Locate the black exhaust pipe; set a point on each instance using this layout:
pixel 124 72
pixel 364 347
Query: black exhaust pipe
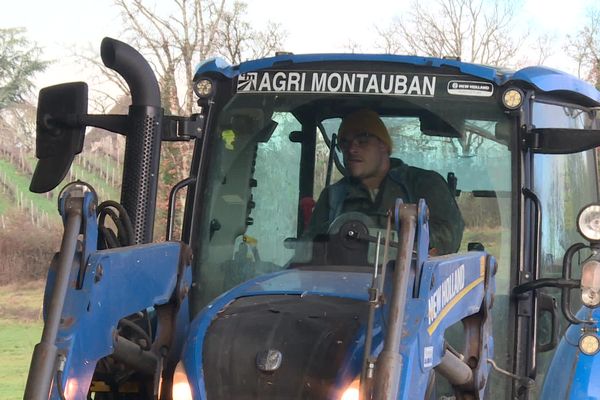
pixel 142 148
pixel 136 71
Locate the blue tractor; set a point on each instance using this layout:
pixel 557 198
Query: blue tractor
pixel 242 304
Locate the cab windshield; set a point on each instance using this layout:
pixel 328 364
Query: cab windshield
pixel 271 158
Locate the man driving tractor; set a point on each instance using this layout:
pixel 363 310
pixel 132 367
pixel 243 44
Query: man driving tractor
pixel 375 180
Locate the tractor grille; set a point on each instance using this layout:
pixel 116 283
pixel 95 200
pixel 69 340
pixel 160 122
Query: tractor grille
pixel 314 334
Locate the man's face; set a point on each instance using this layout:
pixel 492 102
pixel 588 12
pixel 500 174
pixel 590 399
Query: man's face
pixel 365 156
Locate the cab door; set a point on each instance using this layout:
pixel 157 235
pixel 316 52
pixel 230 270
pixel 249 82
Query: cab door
pixel 564 184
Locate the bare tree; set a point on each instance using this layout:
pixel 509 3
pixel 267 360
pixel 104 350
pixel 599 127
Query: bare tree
pixel 173 41
pixel 238 40
pixel 17 125
pixel 543 47
pixel 584 48
pixel 106 86
pixel 473 30
pixel 353 46
pixel 479 31
pixel 175 35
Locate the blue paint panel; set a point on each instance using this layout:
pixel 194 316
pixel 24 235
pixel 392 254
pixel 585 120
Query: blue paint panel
pixel 90 314
pixel 217 65
pixel 557 382
pixel 437 270
pixel 572 374
pixel 353 285
pixel 549 80
pixel 586 381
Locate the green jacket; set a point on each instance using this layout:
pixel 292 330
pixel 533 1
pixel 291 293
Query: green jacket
pixel 402 181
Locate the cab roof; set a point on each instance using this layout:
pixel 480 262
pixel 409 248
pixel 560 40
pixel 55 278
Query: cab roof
pixel 541 78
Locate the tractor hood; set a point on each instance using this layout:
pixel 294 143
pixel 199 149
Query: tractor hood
pixel 303 336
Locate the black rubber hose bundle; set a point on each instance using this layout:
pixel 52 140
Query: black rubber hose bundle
pixel 107 237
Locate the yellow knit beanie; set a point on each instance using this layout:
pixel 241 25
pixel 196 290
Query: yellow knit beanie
pixel 368 121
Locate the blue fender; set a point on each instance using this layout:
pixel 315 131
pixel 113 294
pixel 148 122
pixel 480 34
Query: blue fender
pixel 573 374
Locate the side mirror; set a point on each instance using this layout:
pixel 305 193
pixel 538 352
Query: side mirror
pixel 59 133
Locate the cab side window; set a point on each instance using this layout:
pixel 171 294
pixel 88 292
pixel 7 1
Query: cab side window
pixel 275 215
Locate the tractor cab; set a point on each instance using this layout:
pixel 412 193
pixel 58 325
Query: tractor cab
pixel 274 148
pixel 254 302
pixel 516 151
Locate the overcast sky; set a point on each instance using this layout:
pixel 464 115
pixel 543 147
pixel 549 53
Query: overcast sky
pixel 59 26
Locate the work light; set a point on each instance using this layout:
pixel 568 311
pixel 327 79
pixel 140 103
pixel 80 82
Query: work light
pixel 512 98
pixel 203 88
pixel 588 222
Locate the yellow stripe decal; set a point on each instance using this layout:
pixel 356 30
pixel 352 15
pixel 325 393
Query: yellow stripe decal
pixel 452 303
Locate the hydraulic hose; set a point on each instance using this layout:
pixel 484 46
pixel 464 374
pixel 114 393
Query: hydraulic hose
pixel 142 148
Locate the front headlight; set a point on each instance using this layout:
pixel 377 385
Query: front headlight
pixel 590 283
pixel 352 392
pixel 181 385
pixel 588 222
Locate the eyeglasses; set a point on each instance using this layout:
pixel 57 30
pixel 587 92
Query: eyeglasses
pixel 361 140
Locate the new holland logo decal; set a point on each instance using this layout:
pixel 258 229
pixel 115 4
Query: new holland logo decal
pixel 337 82
pixel 470 88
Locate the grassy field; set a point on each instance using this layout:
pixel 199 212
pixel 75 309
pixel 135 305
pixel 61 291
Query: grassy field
pixel 5 203
pixel 21 184
pixel 20 331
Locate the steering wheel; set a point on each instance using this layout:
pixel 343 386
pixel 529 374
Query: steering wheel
pixel 350 228
pixel 347 242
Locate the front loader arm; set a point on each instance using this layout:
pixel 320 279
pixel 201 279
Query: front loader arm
pixel 429 295
pixel 89 291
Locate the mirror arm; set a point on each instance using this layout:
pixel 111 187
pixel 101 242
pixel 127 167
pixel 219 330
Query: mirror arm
pixel 114 123
pixel 174 128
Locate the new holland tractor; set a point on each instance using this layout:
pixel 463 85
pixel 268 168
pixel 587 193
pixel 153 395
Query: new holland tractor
pixel 244 304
